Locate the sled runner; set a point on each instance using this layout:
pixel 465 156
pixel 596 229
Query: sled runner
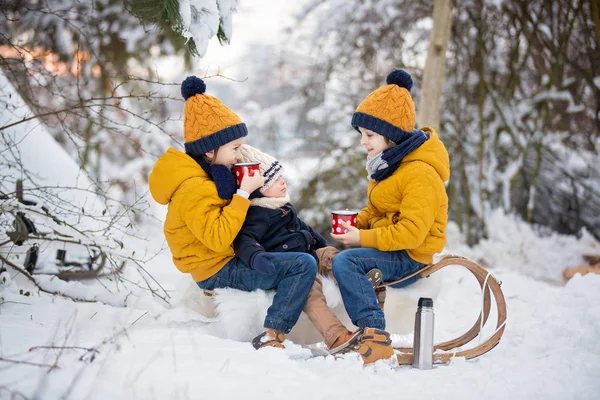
pixel 445 351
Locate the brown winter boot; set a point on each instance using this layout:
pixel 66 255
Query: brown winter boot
pixel 321 316
pixel 269 338
pixel 375 345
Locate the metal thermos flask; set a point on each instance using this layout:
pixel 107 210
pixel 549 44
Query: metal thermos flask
pixel 423 340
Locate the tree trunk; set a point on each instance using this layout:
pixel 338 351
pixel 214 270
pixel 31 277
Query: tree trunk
pixel 435 65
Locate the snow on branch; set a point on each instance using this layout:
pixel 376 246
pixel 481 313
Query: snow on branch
pixel 197 21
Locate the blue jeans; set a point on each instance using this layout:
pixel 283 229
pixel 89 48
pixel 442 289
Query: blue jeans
pixel 350 269
pixel 294 277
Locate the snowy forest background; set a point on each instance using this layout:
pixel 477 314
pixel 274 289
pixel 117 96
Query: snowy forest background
pixel 520 113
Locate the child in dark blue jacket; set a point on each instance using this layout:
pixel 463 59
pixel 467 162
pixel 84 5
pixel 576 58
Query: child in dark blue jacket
pixel 272 225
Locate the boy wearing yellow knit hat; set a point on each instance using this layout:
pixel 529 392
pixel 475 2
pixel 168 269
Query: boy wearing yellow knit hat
pixel 404 222
pixel 206 212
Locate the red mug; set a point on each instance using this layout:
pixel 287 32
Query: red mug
pixel 239 170
pixel 348 216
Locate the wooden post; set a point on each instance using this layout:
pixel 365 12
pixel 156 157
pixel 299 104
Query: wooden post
pixel 435 65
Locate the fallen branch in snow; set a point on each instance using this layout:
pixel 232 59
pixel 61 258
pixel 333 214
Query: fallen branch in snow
pixel 153 291
pixel 84 357
pixel 24 362
pixel 64 347
pixel 139 318
pixel 13 302
pixel 32 279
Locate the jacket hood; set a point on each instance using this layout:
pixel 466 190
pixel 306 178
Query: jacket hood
pixel 170 171
pixel 432 152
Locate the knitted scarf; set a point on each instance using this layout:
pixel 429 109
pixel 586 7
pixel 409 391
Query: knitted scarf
pixel 270 202
pixel 385 163
pixel 221 175
pixel 257 198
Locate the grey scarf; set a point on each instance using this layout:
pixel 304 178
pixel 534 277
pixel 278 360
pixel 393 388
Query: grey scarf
pixel 375 164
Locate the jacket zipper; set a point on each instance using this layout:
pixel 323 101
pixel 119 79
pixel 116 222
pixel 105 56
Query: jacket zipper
pixel 370 193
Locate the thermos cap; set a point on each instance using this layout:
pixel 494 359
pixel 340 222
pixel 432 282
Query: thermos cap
pixel 425 302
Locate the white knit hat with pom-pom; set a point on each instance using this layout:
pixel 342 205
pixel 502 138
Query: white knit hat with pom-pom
pixel 269 167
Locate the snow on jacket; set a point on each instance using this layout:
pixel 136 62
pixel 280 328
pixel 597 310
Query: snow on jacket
pixel 200 226
pixel 409 209
pixel 275 230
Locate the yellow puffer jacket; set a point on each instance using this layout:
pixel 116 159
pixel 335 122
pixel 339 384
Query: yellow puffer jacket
pixel 409 209
pixel 200 226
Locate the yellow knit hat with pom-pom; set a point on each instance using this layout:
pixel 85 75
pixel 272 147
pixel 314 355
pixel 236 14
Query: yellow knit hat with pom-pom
pixel 389 110
pixel 207 122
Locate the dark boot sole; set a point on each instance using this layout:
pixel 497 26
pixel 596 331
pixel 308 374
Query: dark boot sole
pixel 257 342
pixel 351 344
pixel 375 277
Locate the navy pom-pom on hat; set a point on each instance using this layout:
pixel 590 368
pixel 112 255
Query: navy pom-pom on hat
pixel 192 85
pixel 401 78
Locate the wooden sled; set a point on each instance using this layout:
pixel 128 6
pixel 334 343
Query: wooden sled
pixel 488 283
pixel 447 351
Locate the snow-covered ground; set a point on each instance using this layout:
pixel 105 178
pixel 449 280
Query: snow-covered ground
pixel 148 349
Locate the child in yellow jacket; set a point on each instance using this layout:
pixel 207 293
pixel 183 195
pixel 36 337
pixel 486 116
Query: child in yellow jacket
pixel 404 222
pixel 206 211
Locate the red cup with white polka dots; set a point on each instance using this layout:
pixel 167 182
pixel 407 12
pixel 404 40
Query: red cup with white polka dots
pixel 239 170
pixel 348 216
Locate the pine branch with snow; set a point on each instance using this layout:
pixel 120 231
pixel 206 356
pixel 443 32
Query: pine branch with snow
pixel 197 21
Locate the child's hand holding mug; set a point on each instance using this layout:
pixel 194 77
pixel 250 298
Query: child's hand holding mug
pixel 349 239
pixel 251 180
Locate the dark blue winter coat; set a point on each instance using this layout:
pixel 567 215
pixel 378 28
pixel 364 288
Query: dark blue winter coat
pixel 275 230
